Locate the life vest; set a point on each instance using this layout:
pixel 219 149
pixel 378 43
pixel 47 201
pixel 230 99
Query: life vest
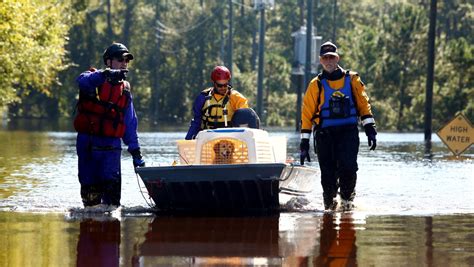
pixel 215 112
pixel 104 114
pixel 338 108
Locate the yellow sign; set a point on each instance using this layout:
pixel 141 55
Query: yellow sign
pixel 458 134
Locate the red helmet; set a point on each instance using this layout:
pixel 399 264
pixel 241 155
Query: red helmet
pixel 220 73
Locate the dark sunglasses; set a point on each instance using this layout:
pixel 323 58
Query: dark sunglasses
pixel 221 84
pixel 122 59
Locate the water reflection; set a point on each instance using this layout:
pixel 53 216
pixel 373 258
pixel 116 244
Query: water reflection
pixel 285 240
pixel 38 173
pixel 337 242
pixel 289 239
pixel 211 241
pixel 99 243
pixel 339 239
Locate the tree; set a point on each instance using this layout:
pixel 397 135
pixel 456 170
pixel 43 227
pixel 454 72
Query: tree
pixel 177 43
pixel 33 36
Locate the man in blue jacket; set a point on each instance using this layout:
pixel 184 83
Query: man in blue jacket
pixel 105 116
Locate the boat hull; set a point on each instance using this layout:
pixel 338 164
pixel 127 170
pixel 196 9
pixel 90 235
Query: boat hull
pixel 227 187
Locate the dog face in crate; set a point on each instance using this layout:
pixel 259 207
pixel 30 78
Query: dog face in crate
pixel 224 152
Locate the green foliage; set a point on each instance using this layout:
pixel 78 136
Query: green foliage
pixel 454 90
pixel 281 109
pixel 33 35
pixel 177 43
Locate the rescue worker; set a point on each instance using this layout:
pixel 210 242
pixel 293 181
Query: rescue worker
pixel 215 106
pixel 334 103
pixel 105 116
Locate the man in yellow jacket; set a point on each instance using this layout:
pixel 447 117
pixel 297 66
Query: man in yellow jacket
pixel 334 103
pixel 214 107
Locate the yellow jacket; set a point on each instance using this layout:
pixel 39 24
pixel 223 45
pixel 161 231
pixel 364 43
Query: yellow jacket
pixel 213 109
pixel 236 100
pixel 201 120
pixel 314 99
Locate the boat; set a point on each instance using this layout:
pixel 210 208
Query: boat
pixel 228 170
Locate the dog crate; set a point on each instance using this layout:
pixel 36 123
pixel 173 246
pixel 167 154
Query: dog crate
pixel 224 151
pixel 232 146
pixel 186 150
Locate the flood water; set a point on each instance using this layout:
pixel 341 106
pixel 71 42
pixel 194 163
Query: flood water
pixel 409 212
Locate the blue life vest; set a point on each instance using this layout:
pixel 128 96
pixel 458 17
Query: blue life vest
pixel 338 108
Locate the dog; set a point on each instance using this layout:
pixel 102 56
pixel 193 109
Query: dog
pixel 224 152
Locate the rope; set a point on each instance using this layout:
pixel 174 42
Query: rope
pixel 183 158
pixel 150 204
pixel 284 179
pixel 289 174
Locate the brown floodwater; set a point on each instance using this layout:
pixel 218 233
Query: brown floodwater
pixel 287 239
pixel 410 211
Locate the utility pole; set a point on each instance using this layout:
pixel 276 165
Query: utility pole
pixel 299 100
pixel 429 78
pixel 261 47
pixel 309 40
pixel 231 26
pixel 300 63
pixel 334 21
pixel 110 32
pixel 155 70
pixel 260 5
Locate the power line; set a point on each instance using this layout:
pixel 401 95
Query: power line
pixel 177 31
pixel 240 4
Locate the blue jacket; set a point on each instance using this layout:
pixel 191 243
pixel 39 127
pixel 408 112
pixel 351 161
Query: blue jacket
pixel 88 82
pixel 195 126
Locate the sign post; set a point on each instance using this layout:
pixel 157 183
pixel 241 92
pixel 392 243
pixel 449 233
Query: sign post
pixel 458 134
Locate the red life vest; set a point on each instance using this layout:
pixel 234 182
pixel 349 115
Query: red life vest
pixel 104 114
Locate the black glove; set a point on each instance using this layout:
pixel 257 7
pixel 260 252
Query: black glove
pixel 304 150
pixel 115 74
pixel 137 158
pixel 371 133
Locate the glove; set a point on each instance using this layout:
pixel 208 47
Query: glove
pixel 115 74
pixel 371 133
pixel 137 158
pixel 304 150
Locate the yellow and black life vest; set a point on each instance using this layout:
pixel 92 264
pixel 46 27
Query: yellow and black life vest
pixel 217 111
pixel 103 115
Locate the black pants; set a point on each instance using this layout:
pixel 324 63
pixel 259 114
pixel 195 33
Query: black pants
pixel 107 192
pixel 337 149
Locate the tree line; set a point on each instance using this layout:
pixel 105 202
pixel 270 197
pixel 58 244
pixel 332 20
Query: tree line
pixel 45 45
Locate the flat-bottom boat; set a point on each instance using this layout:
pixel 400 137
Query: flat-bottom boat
pixel 228 170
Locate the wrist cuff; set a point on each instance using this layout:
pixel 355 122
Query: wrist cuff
pixel 305 135
pixel 367 121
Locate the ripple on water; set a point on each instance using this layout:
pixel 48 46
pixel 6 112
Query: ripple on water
pixel 394 179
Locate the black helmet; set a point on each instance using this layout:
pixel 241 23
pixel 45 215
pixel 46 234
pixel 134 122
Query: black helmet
pixel 116 50
pixel 246 117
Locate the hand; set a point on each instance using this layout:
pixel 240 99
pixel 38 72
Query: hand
pixel 137 158
pixel 115 74
pixel 138 162
pixel 371 133
pixel 304 150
